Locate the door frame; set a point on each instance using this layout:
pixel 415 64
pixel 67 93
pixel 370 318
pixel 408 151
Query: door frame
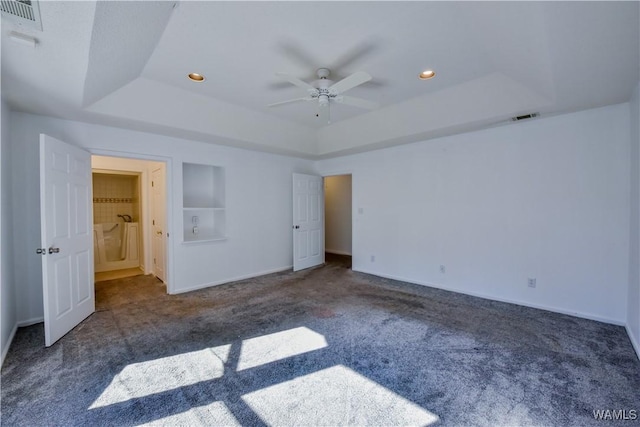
pixel 153 213
pixel 168 202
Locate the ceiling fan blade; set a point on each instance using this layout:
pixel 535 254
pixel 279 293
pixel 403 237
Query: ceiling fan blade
pixel 356 53
pixel 350 82
pixel 357 102
pixel 296 81
pixel 323 113
pixel 307 98
pixel 295 52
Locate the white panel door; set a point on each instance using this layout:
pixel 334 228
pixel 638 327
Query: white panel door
pixel 158 223
pixel 308 221
pixel 67 234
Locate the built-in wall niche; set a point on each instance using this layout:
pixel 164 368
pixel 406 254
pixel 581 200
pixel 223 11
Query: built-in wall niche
pixel 203 203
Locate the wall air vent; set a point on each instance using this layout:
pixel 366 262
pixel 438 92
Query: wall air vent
pixel 25 13
pixel 524 117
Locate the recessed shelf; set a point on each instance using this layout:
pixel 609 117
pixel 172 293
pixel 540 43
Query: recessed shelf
pixel 204 213
pixel 213 239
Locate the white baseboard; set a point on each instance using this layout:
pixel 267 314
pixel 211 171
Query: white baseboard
pixel 337 252
pixel 5 350
pixel 30 322
pixel 232 279
pixel 499 299
pixel 634 342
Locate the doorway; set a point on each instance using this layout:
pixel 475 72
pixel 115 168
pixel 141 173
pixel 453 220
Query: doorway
pixel 117 245
pixel 338 215
pixel 128 212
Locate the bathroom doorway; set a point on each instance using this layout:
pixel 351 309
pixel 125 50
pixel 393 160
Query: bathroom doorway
pixel 338 229
pixel 117 244
pixel 123 216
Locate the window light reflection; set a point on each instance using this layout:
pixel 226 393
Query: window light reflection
pixel 335 396
pixel 277 346
pixel 167 373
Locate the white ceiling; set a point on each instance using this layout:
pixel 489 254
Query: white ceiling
pixel 125 64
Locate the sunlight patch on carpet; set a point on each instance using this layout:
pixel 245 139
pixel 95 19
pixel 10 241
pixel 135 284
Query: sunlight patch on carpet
pixel 277 346
pixel 335 396
pixel 167 373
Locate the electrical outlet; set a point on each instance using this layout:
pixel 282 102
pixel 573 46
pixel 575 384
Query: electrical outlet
pixel 195 229
pixel 443 269
pixel 373 258
pixel 195 220
pixel 531 282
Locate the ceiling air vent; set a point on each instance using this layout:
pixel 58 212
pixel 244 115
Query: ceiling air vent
pixel 25 13
pixel 524 117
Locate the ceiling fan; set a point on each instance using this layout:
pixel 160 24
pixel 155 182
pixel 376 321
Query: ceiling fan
pixel 325 92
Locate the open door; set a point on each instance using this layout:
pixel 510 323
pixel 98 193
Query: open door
pixel 158 208
pixel 308 221
pixel 66 234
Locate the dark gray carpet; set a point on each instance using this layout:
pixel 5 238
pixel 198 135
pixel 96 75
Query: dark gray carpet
pixel 325 346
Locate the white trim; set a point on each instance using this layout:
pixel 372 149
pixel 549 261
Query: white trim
pixel 337 252
pixel 634 342
pixel 232 279
pixel 494 298
pixel 30 322
pixel 126 154
pixel 9 341
pixel 327 174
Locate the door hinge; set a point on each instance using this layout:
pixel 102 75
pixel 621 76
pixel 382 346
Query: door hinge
pixel 154 261
pixel 153 222
pixel 152 183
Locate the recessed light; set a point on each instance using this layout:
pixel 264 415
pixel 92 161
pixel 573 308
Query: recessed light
pixel 426 75
pixel 196 77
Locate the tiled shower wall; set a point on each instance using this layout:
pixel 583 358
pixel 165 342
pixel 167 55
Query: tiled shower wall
pixel 115 195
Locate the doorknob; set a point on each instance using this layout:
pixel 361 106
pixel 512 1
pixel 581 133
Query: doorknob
pixel 159 233
pixel 53 250
pixel 41 251
pixel 296 226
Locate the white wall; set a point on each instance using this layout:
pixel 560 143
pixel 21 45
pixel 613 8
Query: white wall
pixel 8 317
pixel 258 201
pixel 547 199
pixel 337 220
pixel 633 299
